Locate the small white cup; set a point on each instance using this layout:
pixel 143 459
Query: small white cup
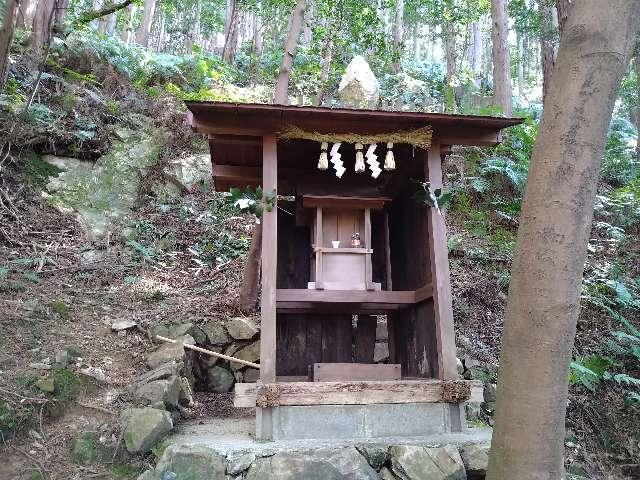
pixel 335 243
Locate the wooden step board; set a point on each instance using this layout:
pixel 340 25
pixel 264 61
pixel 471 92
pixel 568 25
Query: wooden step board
pixel 356 393
pixel 349 372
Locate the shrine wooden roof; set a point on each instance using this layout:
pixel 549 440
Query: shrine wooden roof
pixel 247 119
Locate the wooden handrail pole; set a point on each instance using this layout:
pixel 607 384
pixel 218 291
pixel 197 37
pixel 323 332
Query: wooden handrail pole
pixel 209 352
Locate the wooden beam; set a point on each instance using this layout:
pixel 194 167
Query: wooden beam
pixel 352 372
pixel 440 279
pixel 352 393
pixel 345 296
pixel 314 201
pixel 269 263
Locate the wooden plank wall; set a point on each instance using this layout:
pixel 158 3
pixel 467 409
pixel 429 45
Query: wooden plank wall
pixel 412 333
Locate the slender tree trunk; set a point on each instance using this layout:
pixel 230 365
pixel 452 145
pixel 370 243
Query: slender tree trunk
pixel 415 42
pixel 450 60
pixel 194 38
pixel 398 36
pixel 502 89
pixel 127 34
pixel 162 36
pixel 248 297
pixel 281 95
pixel 562 12
pixel 307 31
pixel 520 67
pixel 257 31
pixel 546 278
pixel 231 33
pixel 6 35
pixel 475 50
pixel 548 28
pixel 142 36
pixel 326 68
pixel 638 101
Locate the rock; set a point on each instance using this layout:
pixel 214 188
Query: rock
pixel 40 366
pixel 162 372
pixel 145 427
pixel 250 354
pixel 122 325
pixel 167 352
pixel 209 360
pixel 219 380
pixel 490 390
pixel 237 465
pixel 359 87
pixel 376 455
pixel 176 331
pixel 411 462
pixel 198 335
pixel 349 463
pixel 95 373
pixel 62 358
pixel 292 466
pixel 385 474
pixel 380 352
pixel 191 170
pixel 189 462
pixel 166 392
pixel 216 334
pixel 162 330
pixel 476 459
pixel 459 366
pixel 46 385
pixel 242 328
pixel 251 375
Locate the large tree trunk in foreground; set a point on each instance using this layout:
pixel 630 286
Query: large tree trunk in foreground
pixel 42 24
pixel 502 90
pixel 281 95
pixel 6 35
pixel 546 278
pixel 142 37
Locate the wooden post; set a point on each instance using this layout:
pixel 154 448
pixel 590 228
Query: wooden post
pixel 367 243
pixel 319 244
pixel 269 263
pixel 442 302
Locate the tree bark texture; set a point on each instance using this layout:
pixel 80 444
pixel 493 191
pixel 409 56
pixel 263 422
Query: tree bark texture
pixel 398 36
pixel 502 89
pixel 548 29
pixel 281 95
pixel 6 35
pixel 248 297
pixel 26 11
pixel 257 31
pixel 43 21
pixel 520 66
pixel 142 37
pixel 231 33
pixel 562 10
pixel 638 101
pixel 546 277
pixel 194 37
pixel 326 68
pixel 127 34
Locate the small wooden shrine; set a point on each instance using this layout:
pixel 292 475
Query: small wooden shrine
pixel 347 243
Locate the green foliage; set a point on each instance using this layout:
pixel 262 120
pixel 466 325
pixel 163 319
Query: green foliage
pixel 68 385
pixel 250 200
pixel 8 420
pixel 36 170
pixel 125 470
pixel 432 198
pixel 619 166
pixel 60 308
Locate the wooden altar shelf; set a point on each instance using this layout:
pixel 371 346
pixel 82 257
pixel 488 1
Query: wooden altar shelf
pixel 349 301
pixel 352 393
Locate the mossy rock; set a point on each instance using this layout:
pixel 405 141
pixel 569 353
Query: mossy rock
pixel 87 449
pixel 8 420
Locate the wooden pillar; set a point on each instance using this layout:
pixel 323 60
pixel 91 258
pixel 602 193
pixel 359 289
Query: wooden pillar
pixel 442 302
pixel 269 263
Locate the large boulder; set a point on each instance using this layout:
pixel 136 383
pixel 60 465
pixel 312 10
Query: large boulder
pixel 216 334
pixel 191 170
pixel 145 427
pixel 189 462
pixel 349 463
pixel 476 459
pixel 242 328
pixel 240 463
pixel 359 87
pixel 165 392
pixel 292 466
pixel 411 462
pixel 376 455
pixel 169 352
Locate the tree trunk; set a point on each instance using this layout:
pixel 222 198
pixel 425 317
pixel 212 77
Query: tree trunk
pixel 6 35
pixel 42 24
pixel 548 28
pixel 257 32
pixel 231 33
pixel 475 50
pixel 546 278
pixel 248 297
pixel 398 36
pixel 562 12
pixel 326 68
pixel 520 66
pixel 638 101
pixel 162 35
pixel 195 33
pixel 127 34
pixel 142 36
pixel 450 60
pixel 26 13
pixel 281 95
pixel 502 90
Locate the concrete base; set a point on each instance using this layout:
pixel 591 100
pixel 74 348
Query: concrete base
pixel 359 421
